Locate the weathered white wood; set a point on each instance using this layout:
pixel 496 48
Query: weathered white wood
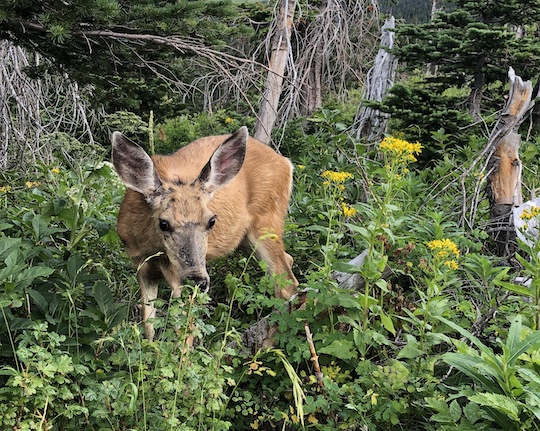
pixel 504 165
pixel 371 123
pixel 274 81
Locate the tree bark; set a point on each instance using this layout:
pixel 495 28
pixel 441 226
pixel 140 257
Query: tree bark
pixel 371 123
pixel 504 165
pixel 274 81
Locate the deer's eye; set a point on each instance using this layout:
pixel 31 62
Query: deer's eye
pixel 164 225
pixel 211 222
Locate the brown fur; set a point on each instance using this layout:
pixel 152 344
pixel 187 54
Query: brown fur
pixel 251 205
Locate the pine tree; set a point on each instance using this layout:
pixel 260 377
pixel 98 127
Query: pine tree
pixel 120 47
pixel 463 56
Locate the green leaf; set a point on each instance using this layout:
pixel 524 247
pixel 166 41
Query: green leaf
pixel 483 348
pixel 387 322
pixel 514 288
pixel 362 231
pixel 470 366
pixel 30 274
pixel 499 402
pixel 7 244
pixel 347 268
pixel 103 297
pixel 342 349
pixel 39 226
pixel 39 300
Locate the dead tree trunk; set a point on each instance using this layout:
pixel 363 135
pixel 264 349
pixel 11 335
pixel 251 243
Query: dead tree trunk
pixel 504 165
pixel 371 123
pixel 274 81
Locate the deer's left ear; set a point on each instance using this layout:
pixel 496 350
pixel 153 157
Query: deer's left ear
pixel 134 167
pixel 226 161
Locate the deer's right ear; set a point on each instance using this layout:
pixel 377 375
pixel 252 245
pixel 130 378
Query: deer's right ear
pixel 134 167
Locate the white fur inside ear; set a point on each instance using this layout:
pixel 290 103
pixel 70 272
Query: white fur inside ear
pixel 226 161
pixel 134 167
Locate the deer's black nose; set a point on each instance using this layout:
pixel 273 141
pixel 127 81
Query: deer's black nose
pixel 201 281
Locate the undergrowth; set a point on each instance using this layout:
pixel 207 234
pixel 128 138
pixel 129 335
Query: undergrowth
pixel 433 334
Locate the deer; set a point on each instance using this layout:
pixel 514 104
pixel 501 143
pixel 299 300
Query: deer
pixel 203 201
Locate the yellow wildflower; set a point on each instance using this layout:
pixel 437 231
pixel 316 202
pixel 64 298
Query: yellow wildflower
pixel 55 170
pixel 230 120
pixel 444 248
pixel 530 213
pixel 312 419
pixel 348 211
pixel 5 189
pixel 301 167
pixel 400 149
pixel 452 264
pixel 30 184
pixel 337 177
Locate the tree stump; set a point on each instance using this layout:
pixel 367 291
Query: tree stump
pixel 504 165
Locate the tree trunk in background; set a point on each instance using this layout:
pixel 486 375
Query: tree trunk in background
pixel 371 123
pixel 274 81
pixel 504 165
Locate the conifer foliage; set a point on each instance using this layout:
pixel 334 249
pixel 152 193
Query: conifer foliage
pixel 463 56
pixel 115 45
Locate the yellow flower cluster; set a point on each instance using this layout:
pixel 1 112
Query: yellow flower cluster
pixel 400 149
pixel 55 170
pixel 445 249
pixel 30 184
pixel 230 120
pixel 348 211
pixel 336 177
pixel 530 213
pixel 5 189
pixel 452 264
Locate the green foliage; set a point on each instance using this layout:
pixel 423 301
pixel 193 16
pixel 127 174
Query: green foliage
pixel 463 56
pixel 405 348
pixel 125 73
pixel 176 132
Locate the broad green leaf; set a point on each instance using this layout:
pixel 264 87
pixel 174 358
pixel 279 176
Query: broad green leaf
pixel 455 411
pixel 6 244
pixel 531 341
pixel 39 300
pixel 34 272
pixel 347 268
pixel 483 348
pixel 39 225
pixel 359 230
pixel 500 402
pixel 533 403
pixel 342 349
pixel 103 297
pixel 471 366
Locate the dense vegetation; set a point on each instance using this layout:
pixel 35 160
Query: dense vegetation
pixel 406 351
pixel 438 336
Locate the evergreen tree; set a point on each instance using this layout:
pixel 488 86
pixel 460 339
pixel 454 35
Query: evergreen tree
pixel 109 43
pixel 463 55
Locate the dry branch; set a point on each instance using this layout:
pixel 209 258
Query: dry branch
pixel 501 166
pixel 33 109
